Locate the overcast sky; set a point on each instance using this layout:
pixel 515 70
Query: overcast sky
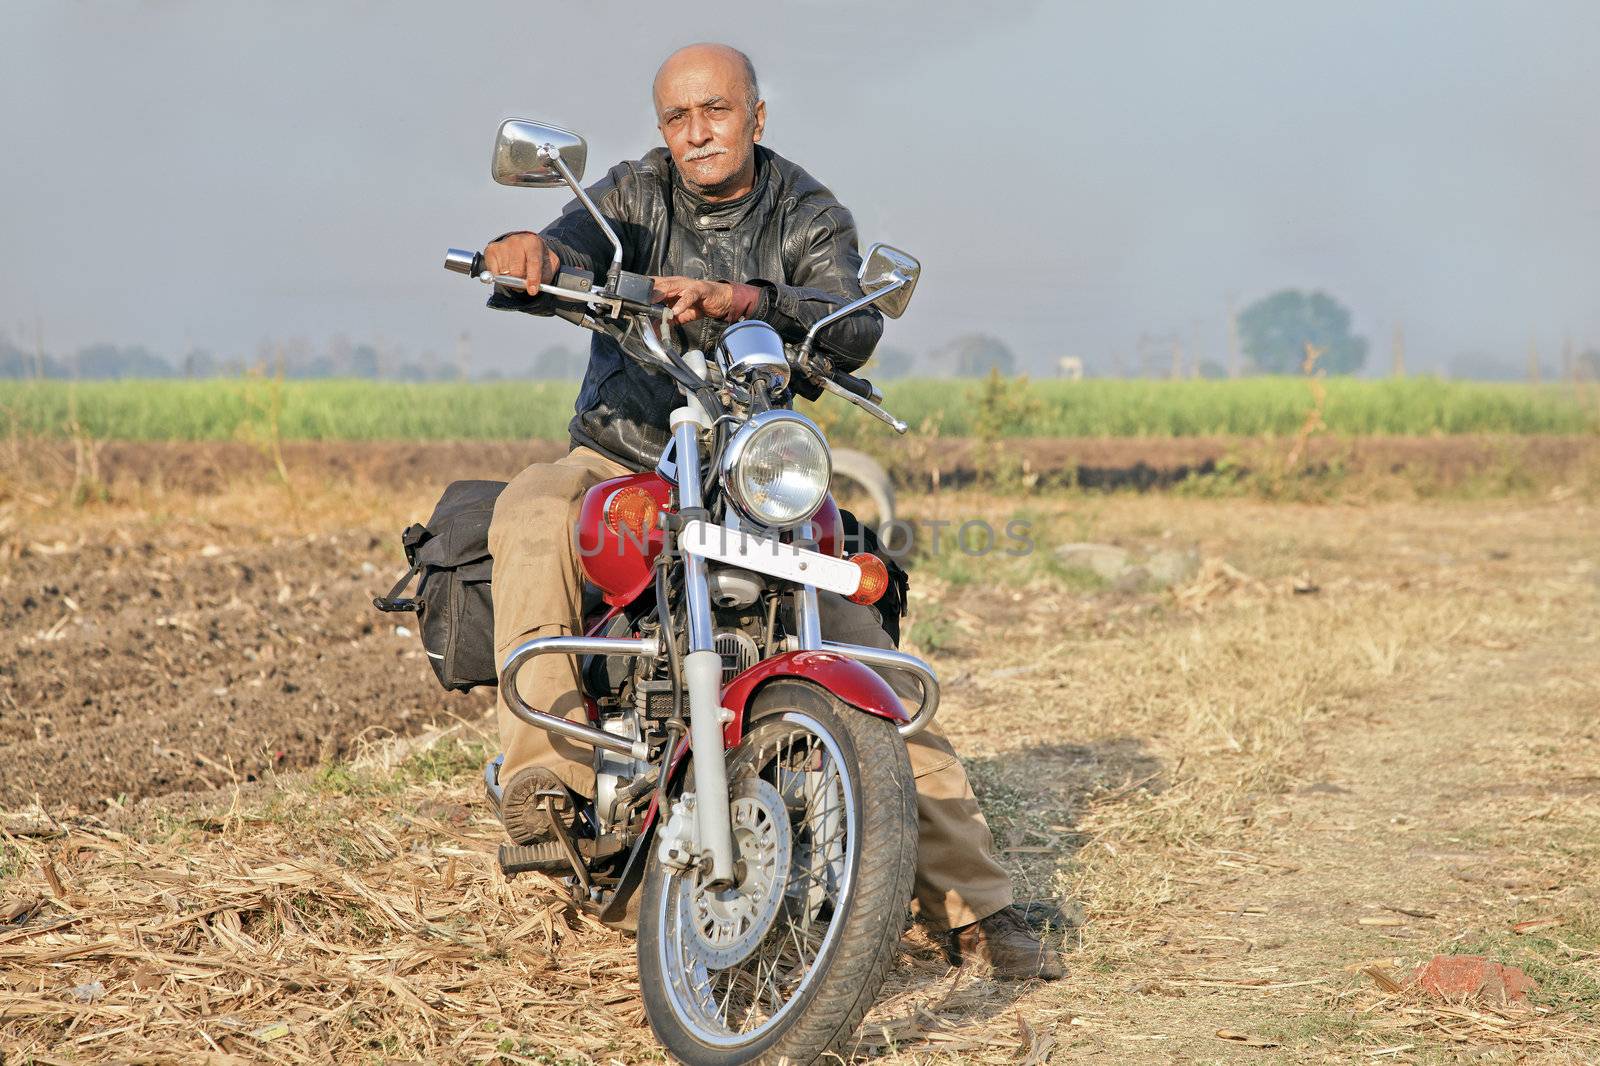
pixel 214 173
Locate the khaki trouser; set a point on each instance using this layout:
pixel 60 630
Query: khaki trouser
pixel 538 592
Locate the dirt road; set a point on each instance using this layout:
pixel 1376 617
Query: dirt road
pixel 1439 815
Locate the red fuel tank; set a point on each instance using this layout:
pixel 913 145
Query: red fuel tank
pixel 617 555
pixel 830 528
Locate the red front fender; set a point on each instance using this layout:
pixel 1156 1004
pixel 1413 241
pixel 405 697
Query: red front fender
pixel 855 684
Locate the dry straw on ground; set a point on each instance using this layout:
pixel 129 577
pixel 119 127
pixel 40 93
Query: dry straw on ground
pixel 331 924
pixel 1353 717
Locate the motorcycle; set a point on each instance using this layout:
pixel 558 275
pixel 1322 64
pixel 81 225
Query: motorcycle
pixel 752 791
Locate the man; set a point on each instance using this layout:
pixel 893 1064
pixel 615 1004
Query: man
pixel 728 230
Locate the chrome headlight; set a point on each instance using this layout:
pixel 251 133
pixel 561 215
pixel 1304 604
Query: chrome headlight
pixel 777 469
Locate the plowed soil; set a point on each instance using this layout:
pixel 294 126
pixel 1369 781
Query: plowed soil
pixel 198 623
pixel 139 664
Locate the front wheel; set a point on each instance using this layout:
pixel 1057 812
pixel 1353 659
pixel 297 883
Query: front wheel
pixel 783 967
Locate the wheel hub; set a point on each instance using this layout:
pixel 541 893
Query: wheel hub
pixel 725 926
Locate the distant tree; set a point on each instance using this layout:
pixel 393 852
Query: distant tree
pixel 972 356
pixel 889 362
pixel 199 363
pixel 362 362
pixel 557 362
pixel 16 363
pixel 1212 370
pixel 296 356
pixel 1275 330
pixel 426 367
pixel 312 365
pixel 110 361
pixel 1587 366
pixel 339 356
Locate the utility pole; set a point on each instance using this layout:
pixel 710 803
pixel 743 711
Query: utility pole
pixel 1234 367
pixel 38 346
pixel 1533 361
pixel 1177 359
pixel 1569 372
pixel 1399 350
pixel 464 356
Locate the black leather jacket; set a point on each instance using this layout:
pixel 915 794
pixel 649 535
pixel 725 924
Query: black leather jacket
pixel 788 236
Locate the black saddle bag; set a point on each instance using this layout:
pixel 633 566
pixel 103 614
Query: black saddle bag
pixel 453 602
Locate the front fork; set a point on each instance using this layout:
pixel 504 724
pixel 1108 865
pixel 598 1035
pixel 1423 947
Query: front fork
pixel 702 667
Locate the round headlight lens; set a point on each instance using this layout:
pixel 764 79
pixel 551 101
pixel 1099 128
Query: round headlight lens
pixel 779 471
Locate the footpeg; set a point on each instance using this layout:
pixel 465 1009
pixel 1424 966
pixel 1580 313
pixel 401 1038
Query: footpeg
pixel 548 857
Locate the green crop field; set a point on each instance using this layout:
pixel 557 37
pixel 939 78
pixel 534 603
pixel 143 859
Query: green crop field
pixel 226 409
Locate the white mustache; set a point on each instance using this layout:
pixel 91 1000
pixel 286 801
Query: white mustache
pixel 704 153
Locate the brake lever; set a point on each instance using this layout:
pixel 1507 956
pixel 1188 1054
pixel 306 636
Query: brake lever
pixel 516 284
pixel 865 404
pixel 611 303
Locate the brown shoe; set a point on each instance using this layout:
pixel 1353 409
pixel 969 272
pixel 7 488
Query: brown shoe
pixel 1006 942
pixel 521 807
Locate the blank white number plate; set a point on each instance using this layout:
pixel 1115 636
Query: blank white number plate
pixel 770 557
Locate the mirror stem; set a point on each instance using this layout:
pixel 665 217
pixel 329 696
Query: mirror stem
pixel 848 309
pixel 554 156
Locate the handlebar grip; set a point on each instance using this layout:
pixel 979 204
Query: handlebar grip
pixel 464 262
pixel 860 386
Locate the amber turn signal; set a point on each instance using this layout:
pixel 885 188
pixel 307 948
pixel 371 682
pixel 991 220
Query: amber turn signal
pixel 633 508
pixel 874 578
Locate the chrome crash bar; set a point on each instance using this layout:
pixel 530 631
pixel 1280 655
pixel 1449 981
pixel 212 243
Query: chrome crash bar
pixel 647 647
pixel 889 659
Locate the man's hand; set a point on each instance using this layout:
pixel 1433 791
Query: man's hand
pixel 522 255
pixel 693 298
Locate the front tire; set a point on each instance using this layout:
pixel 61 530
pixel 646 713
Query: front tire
pixel 734 977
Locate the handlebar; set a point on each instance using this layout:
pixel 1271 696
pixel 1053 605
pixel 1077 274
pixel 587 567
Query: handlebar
pixel 869 406
pixel 463 262
pixel 574 286
pixel 863 388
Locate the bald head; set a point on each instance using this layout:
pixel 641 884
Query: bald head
pixel 712 61
pixel 710 113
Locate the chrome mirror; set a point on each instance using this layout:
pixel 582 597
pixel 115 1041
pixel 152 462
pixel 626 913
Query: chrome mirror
pixel 531 155
pixel 887 278
pixel 883 267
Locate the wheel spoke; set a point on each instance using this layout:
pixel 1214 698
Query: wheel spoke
pixel 794 895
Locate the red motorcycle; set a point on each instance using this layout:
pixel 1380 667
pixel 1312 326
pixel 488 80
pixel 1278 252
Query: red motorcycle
pixel 750 775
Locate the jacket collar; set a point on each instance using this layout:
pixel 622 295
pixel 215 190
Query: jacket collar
pixel 729 214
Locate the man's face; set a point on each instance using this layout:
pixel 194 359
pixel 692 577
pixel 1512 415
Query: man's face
pixel 703 115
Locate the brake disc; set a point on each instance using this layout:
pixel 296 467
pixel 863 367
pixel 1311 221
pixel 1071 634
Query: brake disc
pixel 722 928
